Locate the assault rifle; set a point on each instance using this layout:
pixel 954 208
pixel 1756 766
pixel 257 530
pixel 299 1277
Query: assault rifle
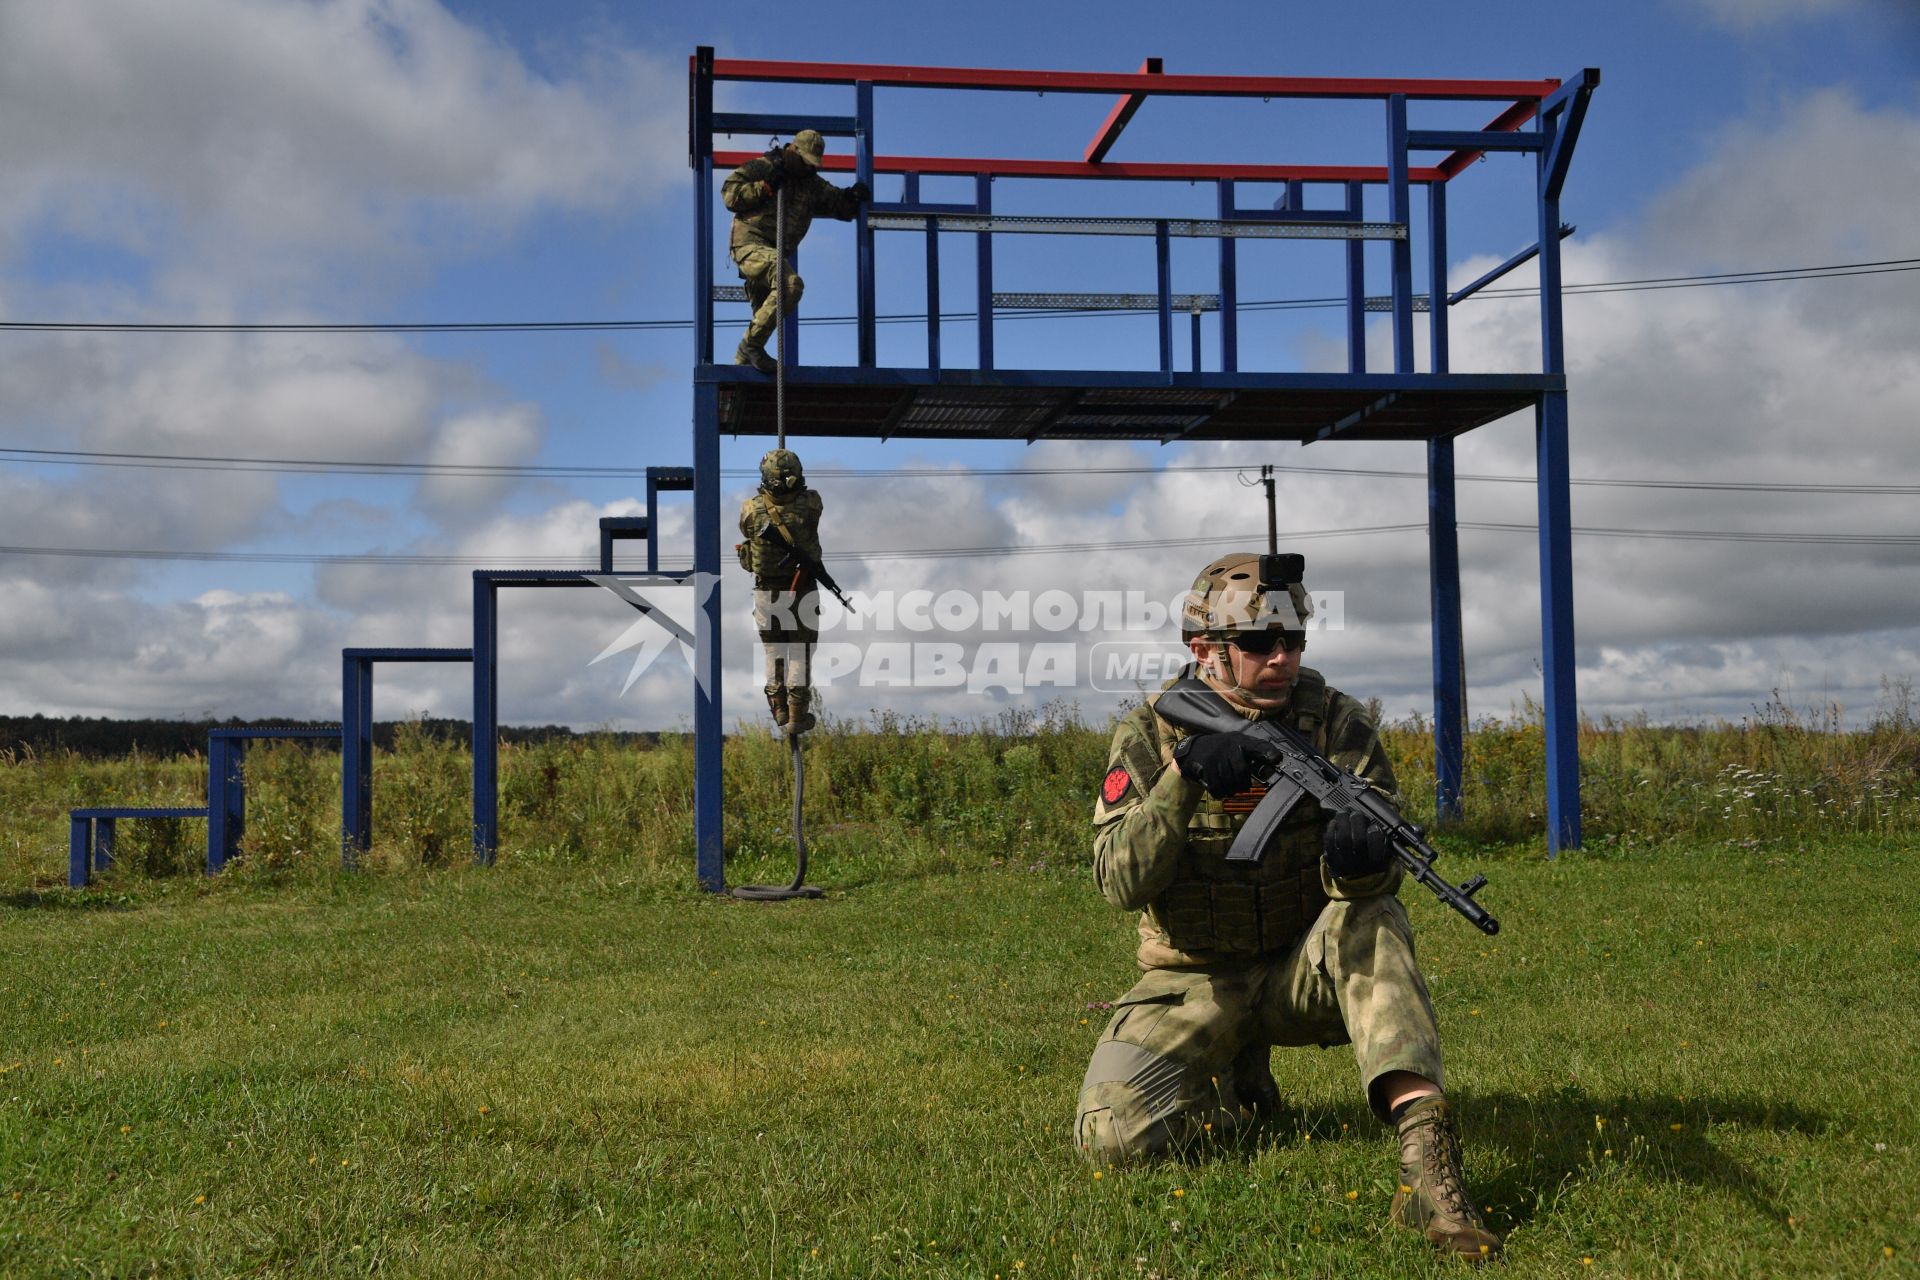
pixel 814 569
pixel 1292 768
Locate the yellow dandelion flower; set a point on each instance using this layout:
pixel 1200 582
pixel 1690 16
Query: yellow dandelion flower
pixel 199 1199
pixel 1208 1126
pixel 813 1253
pixel 1353 1195
pixel 1886 1250
pixel 1607 1152
pixel 56 1062
pixel 126 1128
pixel 1097 1175
pixel 345 1163
pixel 1599 1123
pixel 485 1109
pixel 1585 1261
pixel 1316 1230
pixel 1405 1190
pixel 313 1159
pixel 1178 1192
pixel 1083 1022
pixel 1473 1013
pixel 1676 1126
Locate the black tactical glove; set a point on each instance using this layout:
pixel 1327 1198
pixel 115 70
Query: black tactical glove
pixel 1217 761
pixel 1356 846
pixel 861 192
pixel 777 160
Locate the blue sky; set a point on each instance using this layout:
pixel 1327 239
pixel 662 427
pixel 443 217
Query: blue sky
pixel 406 160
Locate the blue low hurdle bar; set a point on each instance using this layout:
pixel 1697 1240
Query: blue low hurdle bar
pixel 356 739
pixel 227 783
pixel 487 584
pixel 90 837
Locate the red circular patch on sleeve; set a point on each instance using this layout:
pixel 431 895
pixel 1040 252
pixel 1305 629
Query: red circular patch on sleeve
pixel 1118 780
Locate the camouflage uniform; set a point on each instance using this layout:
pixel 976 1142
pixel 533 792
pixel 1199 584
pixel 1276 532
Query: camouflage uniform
pixel 749 197
pixel 1240 957
pixel 785 601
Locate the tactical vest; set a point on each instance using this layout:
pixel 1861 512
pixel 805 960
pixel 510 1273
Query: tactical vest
pixel 1247 909
pixel 773 567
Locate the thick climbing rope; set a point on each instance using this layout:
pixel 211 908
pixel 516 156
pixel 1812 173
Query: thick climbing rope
pixel 799 888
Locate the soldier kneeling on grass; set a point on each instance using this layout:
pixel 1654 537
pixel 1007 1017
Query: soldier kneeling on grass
pixel 1307 946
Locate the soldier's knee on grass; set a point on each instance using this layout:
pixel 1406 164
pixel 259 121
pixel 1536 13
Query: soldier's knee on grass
pixel 1117 1126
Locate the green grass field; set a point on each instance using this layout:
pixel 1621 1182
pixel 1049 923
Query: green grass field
pixel 1688 1052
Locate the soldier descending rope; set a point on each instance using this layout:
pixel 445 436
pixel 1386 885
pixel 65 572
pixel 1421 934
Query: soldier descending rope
pixel 780 528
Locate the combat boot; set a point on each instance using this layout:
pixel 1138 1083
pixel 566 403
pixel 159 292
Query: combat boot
pixel 750 354
pixel 1433 1197
pixel 777 703
pixel 799 719
pixel 1253 1081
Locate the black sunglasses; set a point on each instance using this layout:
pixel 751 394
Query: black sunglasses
pixel 1262 643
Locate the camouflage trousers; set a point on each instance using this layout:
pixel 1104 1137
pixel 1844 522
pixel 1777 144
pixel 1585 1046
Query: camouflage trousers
pixel 786 622
pixel 1184 1046
pixel 756 263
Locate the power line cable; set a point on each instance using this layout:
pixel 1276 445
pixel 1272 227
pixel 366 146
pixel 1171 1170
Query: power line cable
pixel 314 466
pixel 1654 283
pixel 983 552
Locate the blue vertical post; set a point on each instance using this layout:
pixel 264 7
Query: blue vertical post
pixel 356 758
pixel 1356 285
pixel 983 270
pixel 1229 287
pixel 486 720
pixel 103 842
pixel 1400 210
pixel 226 799
pixel 1443 549
pixel 79 850
pixel 709 848
pixel 790 322
pixel 862 233
pixel 1196 339
pixel 933 294
pixel 1163 266
pixel 700 156
pixel 1551 470
pixel 653 523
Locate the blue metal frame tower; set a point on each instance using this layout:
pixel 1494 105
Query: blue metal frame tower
pixel 934 400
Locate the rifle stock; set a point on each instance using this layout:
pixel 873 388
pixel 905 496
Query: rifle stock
pixel 1291 767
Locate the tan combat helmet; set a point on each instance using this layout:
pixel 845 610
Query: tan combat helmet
pixel 811 146
pixel 780 473
pixel 1226 598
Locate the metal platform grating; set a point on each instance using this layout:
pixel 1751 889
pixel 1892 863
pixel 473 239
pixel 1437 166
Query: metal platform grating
pixel 1052 407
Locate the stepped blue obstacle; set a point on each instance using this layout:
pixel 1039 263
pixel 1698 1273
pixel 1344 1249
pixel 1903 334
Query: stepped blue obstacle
pixel 92 830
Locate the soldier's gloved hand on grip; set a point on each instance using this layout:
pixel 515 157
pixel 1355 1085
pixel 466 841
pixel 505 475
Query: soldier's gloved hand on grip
pixel 861 192
pixel 1356 846
pixel 778 177
pixel 1217 761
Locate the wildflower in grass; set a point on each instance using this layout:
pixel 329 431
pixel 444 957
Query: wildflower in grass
pixel 1676 1126
pixel 484 1109
pixel 1353 1195
pixel 1473 1013
pixel 1586 1260
pixel 126 1128
pixel 1178 1192
pixel 1097 1175
pixel 199 1199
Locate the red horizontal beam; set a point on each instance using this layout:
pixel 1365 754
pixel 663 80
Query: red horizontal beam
pixel 1118 117
pixel 1121 82
pixel 967 165
pixel 1506 122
